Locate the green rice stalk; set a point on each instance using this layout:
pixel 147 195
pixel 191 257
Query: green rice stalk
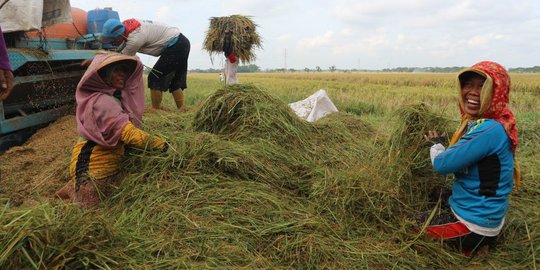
pixel 409 152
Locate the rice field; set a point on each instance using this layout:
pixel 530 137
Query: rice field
pixel 246 184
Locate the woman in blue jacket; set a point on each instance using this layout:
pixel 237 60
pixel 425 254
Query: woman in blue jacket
pixel 481 156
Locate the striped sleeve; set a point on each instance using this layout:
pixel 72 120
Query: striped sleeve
pixel 134 136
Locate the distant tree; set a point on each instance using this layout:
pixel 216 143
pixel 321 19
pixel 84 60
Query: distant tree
pixel 318 69
pixel 307 69
pixel 534 69
pixel 332 68
pixel 210 70
pixel 249 68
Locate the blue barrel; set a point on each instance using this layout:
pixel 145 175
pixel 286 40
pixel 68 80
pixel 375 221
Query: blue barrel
pixel 97 17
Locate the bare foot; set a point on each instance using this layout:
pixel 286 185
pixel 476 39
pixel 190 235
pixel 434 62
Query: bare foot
pixel 66 192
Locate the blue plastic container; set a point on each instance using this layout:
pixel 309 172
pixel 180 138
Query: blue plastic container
pixel 97 17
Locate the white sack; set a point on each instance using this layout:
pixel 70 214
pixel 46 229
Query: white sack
pixel 27 15
pixel 56 11
pixel 21 15
pixel 314 107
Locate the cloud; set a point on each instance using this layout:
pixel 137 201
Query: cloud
pixel 347 32
pixel 431 14
pixel 163 13
pixel 317 41
pixel 263 8
pixel 485 40
pixel 284 38
pixel 370 12
pixel 373 45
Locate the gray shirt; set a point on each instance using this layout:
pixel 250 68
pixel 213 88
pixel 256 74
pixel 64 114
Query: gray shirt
pixel 150 38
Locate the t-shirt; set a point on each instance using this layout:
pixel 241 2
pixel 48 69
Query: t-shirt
pixel 150 38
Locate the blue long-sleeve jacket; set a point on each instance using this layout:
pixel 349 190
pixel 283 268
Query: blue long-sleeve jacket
pixel 483 164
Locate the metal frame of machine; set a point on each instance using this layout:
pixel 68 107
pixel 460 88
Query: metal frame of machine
pixel 46 73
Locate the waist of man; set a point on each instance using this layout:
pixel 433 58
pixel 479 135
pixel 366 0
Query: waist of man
pixel 173 40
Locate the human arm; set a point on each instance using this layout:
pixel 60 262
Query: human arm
pixel 477 143
pixel 133 43
pixel 136 137
pixel 6 75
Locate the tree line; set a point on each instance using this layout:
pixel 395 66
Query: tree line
pixel 254 68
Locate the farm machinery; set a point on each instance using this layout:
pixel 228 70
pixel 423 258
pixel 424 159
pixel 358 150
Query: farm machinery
pixel 46 65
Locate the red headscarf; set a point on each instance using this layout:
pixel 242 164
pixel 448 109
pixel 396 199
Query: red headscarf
pixel 100 118
pixel 131 24
pixel 497 109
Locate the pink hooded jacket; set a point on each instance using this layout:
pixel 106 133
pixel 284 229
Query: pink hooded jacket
pixel 100 118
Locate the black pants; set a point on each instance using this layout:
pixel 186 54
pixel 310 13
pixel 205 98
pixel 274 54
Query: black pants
pixel 444 225
pixel 170 70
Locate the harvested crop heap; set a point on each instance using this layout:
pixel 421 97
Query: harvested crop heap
pixel 239 30
pixel 408 151
pixel 245 184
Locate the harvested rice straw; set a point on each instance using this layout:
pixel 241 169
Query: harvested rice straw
pixel 243 35
pixel 409 152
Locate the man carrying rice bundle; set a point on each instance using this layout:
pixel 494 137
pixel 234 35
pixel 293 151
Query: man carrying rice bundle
pixel 235 36
pixel 481 155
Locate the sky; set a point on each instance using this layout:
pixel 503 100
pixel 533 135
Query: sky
pixel 356 34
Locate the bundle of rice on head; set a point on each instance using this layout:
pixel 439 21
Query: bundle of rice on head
pixel 235 33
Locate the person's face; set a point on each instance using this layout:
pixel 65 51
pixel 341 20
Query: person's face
pixel 119 77
pixel 118 40
pixel 470 92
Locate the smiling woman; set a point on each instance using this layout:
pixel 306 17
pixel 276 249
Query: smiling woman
pixel 481 155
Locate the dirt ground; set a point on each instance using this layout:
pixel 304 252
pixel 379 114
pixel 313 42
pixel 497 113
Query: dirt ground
pixel 37 169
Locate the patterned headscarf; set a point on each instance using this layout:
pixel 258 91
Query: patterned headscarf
pixel 131 24
pixel 494 99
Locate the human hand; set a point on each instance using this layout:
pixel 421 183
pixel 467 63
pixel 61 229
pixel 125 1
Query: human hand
pixel 166 147
pixel 6 83
pixel 86 62
pixel 433 137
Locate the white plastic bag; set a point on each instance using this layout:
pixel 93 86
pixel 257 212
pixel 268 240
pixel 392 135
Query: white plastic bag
pixel 314 107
